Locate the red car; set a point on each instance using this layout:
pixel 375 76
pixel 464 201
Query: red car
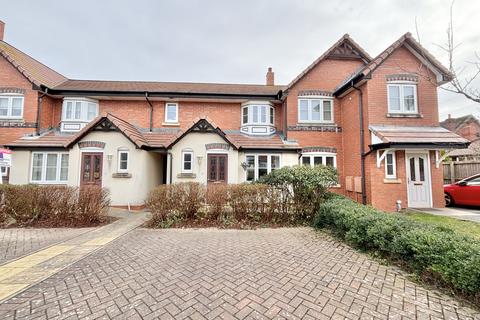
pixel 464 192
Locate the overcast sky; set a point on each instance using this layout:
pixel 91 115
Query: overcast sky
pixel 226 41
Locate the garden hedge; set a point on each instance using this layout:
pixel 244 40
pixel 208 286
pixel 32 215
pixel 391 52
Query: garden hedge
pixel 433 252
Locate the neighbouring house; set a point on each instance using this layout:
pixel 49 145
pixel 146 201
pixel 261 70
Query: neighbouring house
pixel 469 128
pixel 374 119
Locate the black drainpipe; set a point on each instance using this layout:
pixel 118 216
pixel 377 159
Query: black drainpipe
pixel 151 111
pixel 171 165
pixel 362 144
pixel 39 110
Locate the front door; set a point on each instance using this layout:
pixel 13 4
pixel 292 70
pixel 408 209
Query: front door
pixel 217 168
pixel 91 170
pixel 418 180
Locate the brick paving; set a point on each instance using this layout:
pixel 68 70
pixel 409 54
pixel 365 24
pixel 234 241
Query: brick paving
pixel 17 242
pixel 230 274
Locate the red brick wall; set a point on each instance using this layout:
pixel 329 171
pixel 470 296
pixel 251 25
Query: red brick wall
pixel 226 115
pixel 402 61
pixel 11 78
pixel 469 130
pixel 51 113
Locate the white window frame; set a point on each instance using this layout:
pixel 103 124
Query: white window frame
pixel 10 97
pixel 394 163
pixel 183 161
pixel 401 86
pixel 119 168
pixel 3 171
pixel 84 103
pixel 255 165
pixel 323 155
pixel 268 111
pixel 167 104
pixel 310 117
pixel 43 179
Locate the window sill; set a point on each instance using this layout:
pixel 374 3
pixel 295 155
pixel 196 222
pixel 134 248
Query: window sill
pixel 186 175
pixel 124 175
pixel 404 115
pixel 11 119
pixel 320 124
pixel 337 186
pixel 392 181
pixel 171 124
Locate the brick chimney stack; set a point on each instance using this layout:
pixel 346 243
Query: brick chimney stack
pixel 270 77
pixel 2 29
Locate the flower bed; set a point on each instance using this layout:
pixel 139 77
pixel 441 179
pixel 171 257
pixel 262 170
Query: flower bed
pixel 52 206
pixel 435 253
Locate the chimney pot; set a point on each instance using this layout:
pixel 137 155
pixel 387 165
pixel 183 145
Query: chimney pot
pixel 270 77
pixel 2 29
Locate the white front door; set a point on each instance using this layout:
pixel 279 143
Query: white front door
pixel 418 180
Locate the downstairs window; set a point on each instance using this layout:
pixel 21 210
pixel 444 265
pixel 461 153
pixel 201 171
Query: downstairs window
pixel 259 165
pixel 49 167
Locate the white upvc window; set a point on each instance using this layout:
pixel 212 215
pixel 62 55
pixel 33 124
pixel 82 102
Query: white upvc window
pixel 390 165
pixel 187 161
pixel 402 98
pixel 171 112
pixel 3 171
pixel 259 165
pixel 11 106
pixel 315 110
pixel 319 158
pixel 258 114
pixel 123 160
pixel 79 109
pixel 49 167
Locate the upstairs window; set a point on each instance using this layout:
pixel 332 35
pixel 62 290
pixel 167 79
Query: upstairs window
pixel 258 114
pixel 315 110
pixel 11 106
pixel 79 109
pixel 171 112
pixel 402 98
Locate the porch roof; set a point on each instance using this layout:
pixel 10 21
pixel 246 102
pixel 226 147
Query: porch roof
pixel 390 136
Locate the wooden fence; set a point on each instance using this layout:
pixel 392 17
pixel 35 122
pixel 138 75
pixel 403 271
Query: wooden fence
pixel 458 170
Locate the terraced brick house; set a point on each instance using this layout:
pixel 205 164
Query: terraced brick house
pixel 374 119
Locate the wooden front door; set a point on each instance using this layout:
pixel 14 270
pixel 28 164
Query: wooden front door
pixel 217 168
pixel 91 174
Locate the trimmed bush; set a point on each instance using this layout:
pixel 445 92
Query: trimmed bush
pixel 432 252
pixel 28 205
pixel 304 187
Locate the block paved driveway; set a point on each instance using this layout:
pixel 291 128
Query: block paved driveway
pixel 17 242
pixel 292 273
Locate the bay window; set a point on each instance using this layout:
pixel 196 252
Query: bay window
pixel 402 98
pixel 49 167
pixel 11 106
pixel 259 165
pixel 315 110
pixel 77 112
pixel 258 118
pixel 316 159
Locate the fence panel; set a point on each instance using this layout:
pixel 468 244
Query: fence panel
pixel 458 170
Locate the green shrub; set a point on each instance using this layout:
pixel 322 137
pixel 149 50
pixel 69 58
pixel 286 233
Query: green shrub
pixel 26 205
pixel 304 187
pixel 435 252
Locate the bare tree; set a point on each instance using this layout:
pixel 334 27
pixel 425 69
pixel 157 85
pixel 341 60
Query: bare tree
pixel 463 78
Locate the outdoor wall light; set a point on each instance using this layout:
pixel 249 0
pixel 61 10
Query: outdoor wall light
pixel 244 165
pixel 199 159
pixel 109 159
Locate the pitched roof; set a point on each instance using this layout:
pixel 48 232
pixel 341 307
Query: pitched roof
pixel 335 51
pixel 35 71
pixel 441 137
pixel 472 150
pixel 168 87
pixel 407 38
pixel 455 123
pixel 150 140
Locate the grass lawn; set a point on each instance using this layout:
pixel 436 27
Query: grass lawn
pixel 466 227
